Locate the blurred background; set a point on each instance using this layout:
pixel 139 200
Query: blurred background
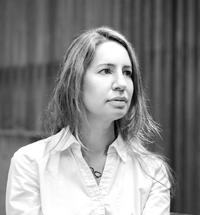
pixel 166 35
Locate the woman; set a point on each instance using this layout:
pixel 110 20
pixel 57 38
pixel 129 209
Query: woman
pixel 96 161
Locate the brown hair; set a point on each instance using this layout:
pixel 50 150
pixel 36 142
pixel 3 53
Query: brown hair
pixel 66 107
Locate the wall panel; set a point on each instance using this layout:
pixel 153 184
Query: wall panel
pixel 166 37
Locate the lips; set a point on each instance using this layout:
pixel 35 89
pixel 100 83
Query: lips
pixel 119 99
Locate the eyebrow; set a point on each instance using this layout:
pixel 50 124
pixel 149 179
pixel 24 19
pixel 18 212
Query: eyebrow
pixel 113 65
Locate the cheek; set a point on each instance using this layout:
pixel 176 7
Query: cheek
pixel 95 87
pixel 90 93
pixel 134 96
pixel 131 88
pixel 89 89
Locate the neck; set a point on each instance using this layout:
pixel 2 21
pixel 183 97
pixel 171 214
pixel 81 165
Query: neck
pixel 97 137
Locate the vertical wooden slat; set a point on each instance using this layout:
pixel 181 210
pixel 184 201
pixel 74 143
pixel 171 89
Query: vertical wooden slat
pixel 197 96
pixel 3 96
pixel 40 94
pixel 89 17
pixel 106 17
pixel 167 73
pixel 93 9
pixel 62 22
pixel 42 44
pixel 152 54
pixel 19 36
pixel 14 33
pixel 125 20
pixel 31 32
pixel 79 8
pixel 146 46
pixel 178 102
pixel 190 108
pixel 8 33
pixel 141 19
pixel 16 100
pixel 183 106
pixel 51 30
pixel 68 23
pixel 157 53
pixel 3 29
pixel 117 15
pixel 135 30
pixel 30 112
pixel 21 97
pixel 7 99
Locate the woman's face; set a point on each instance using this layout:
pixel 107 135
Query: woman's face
pixel 107 84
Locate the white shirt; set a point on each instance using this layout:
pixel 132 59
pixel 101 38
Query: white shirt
pixel 50 177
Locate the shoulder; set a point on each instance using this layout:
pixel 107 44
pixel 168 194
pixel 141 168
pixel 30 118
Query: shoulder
pixel 156 168
pixel 148 161
pixel 36 150
pixel 154 163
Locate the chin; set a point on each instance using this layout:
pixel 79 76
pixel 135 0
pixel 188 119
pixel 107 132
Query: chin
pixel 119 115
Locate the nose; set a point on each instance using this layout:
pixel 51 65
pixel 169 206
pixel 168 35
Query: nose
pixel 119 82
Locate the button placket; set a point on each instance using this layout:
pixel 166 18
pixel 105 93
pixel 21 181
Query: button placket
pixel 108 173
pixel 85 172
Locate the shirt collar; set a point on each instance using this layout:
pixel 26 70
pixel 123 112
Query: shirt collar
pixel 121 148
pixel 62 141
pixel 65 139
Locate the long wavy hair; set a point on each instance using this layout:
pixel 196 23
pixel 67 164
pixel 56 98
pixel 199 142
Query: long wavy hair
pixel 66 108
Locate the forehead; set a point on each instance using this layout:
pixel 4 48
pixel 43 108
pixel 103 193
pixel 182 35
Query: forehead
pixel 111 52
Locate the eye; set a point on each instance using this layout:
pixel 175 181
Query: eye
pixel 127 73
pixel 106 71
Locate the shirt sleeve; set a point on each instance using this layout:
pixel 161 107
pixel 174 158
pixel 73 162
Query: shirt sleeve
pixel 22 193
pixel 158 202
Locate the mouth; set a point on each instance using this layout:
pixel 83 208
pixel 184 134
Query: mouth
pixel 119 99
